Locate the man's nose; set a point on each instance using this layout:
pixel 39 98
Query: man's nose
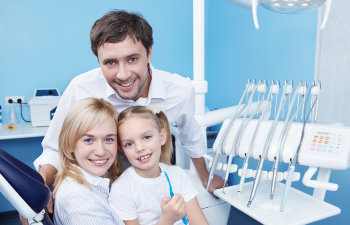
pixel 122 73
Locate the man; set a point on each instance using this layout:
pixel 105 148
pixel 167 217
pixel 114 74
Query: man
pixel 123 42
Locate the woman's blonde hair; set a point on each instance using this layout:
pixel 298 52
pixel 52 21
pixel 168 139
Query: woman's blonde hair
pixel 83 117
pixel 160 120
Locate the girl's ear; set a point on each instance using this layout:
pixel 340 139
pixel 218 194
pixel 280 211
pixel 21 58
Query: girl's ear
pixel 163 136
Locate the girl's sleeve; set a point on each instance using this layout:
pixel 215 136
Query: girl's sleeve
pixel 184 184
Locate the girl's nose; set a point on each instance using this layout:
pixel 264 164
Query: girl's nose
pixel 139 147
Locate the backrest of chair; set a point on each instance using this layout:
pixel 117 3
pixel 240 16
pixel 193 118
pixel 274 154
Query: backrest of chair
pixel 28 183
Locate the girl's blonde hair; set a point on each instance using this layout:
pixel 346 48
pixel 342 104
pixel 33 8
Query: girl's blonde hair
pixel 160 120
pixel 83 117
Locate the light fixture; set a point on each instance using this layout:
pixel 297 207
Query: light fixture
pixel 286 6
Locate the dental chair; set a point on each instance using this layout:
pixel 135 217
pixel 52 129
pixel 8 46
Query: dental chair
pixel 25 189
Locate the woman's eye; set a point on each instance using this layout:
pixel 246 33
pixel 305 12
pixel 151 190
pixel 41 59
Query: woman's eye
pixel 88 140
pixel 109 140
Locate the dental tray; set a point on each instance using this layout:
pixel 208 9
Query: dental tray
pixel 301 208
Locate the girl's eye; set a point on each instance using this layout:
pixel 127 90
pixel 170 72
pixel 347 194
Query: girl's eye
pixel 127 144
pixel 147 137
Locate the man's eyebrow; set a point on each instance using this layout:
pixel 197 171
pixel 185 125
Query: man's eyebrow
pixel 115 60
pixel 108 60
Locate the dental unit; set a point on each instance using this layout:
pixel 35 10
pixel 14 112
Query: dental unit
pixel 280 139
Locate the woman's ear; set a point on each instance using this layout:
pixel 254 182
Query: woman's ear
pixel 163 136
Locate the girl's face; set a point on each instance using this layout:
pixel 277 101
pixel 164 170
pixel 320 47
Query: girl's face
pixel 141 142
pixel 95 152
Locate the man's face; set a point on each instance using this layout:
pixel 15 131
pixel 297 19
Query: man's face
pixel 124 65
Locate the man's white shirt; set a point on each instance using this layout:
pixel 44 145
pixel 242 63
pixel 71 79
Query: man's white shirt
pixel 172 91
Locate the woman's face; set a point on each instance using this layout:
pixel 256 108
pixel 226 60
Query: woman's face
pixel 96 150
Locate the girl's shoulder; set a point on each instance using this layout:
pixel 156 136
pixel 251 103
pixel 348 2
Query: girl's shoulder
pixel 171 168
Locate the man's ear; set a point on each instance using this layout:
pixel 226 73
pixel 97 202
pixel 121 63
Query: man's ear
pixel 149 57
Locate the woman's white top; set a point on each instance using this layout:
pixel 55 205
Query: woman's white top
pixel 136 197
pixel 77 204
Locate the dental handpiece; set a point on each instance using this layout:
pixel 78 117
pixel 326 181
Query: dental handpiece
pixel 247 155
pixel 266 148
pixel 293 161
pixel 238 135
pixel 300 91
pixel 219 146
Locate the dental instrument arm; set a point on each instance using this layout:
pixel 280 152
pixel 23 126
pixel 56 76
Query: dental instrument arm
pixel 238 135
pixel 273 91
pixel 293 161
pixel 300 91
pixel 217 147
pixel 266 148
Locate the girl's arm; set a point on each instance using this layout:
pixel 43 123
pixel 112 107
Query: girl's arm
pixel 194 213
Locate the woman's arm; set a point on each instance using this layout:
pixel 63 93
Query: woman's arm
pixel 194 213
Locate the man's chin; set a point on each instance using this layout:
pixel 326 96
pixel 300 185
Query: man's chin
pixel 126 96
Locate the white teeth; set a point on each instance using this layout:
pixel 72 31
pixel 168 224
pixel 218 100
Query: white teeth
pixel 100 161
pixel 144 157
pixel 127 84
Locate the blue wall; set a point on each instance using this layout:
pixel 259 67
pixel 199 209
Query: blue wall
pixel 44 44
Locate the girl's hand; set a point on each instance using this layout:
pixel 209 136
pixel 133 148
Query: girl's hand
pixel 173 209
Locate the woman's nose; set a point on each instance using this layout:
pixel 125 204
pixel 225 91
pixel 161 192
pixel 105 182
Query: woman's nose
pixel 100 150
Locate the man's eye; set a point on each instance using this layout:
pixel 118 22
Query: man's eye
pixel 110 63
pixel 132 59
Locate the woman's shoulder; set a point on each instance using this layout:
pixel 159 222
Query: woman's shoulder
pixel 70 187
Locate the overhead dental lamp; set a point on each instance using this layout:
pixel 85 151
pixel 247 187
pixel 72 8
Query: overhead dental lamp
pixel 286 6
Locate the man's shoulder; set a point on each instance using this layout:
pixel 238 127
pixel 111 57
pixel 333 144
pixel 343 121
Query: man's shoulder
pixel 89 76
pixel 173 78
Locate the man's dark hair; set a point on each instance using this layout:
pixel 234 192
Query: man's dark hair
pixel 116 25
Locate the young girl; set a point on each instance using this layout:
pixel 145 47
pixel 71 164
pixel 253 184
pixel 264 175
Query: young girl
pixel 88 151
pixel 142 194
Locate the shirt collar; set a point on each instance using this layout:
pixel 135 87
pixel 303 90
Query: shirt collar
pixel 156 91
pixel 93 179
